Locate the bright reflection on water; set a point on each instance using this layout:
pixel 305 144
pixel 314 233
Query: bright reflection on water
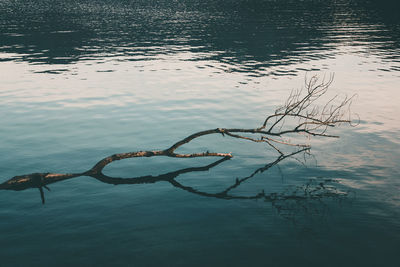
pixel 81 80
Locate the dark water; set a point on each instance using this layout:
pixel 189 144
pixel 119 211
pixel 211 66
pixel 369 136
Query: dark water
pixel 81 80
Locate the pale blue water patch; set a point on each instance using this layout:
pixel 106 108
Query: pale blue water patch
pixel 82 80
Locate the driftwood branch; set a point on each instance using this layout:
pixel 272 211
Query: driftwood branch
pixel 301 106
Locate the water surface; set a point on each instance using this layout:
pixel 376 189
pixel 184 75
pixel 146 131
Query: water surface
pixel 81 80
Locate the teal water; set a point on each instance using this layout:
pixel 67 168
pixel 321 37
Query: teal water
pixel 82 80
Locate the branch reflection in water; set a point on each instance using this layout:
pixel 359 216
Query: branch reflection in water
pixel 287 203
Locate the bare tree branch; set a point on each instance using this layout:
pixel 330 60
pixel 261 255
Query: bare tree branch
pixel 310 119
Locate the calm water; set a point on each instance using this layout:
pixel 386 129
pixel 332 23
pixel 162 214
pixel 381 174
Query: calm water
pixel 81 80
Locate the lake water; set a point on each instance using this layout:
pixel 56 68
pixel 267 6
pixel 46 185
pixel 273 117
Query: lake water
pixel 84 79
